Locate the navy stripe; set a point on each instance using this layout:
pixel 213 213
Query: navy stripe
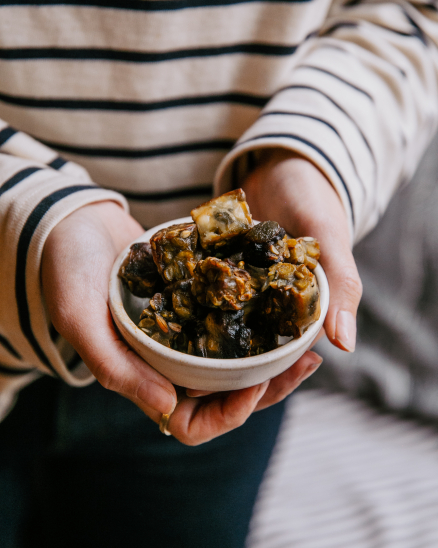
pixel 324 71
pixel 17 178
pixel 417 32
pixel 245 99
pixel 5 370
pixel 168 195
pixel 8 346
pixel 310 88
pixel 57 163
pixel 6 134
pixel 93 54
pixel 285 113
pixel 155 5
pixel 20 275
pixel 106 152
pixel 311 145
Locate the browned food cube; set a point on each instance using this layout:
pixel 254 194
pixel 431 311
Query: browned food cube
pixel 263 336
pixel 304 251
pixel 259 277
pixel 183 302
pixel 175 251
pixel 222 218
pixel 264 245
pixel 221 284
pixel 159 322
pixel 293 302
pixel 223 335
pixel 139 272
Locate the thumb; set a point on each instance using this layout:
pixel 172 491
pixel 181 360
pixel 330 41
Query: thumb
pixel 345 294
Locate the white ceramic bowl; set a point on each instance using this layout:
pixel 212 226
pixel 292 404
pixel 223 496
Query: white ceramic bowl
pixel 193 371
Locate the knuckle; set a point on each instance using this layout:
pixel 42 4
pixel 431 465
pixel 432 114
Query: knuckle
pixel 105 376
pixel 352 284
pixel 235 420
pixel 186 439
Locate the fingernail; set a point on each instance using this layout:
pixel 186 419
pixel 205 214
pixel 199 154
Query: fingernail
pixel 311 369
pixel 157 397
pixel 346 330
pixel 192 393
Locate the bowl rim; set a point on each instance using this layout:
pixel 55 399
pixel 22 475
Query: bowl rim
pixel 197 362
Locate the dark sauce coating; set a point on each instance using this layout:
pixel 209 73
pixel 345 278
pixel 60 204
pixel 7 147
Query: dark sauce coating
pixel 160 322
pixel 292 304
pixel 228 288
pixel 175 251
pixel 264 245
pixel 139 271
pixel 223 334
pixel 218 283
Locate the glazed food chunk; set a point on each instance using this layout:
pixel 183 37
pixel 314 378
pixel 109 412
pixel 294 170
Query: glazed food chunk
pixel 293 302
pixel 159 322
pixel 139 272
pixel 263 335
pixel 264 245
pixel 184 303
pixel 222 218
pixel 303 251
pixel 223 334
pixel 219 283
pixel 175 251
pixel 222 287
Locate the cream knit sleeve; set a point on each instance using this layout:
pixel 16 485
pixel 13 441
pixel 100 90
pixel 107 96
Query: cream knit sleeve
pixel 37 190
pixel 360 100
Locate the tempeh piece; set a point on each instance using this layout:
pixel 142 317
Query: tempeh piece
pixel 139 272
pixel 221 284
pixel 223 335
pixel 222 218
pixel 264 245
pixel 175 251
pixel 159 322
pixel 303 251
pixel 293 302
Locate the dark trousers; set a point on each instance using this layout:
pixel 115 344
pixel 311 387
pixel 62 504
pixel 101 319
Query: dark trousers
pixel 84 468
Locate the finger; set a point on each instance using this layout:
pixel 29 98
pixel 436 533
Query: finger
pixel 345 294
pixel 192 393
pixel 113 363
pixel 281 386
pixel 195 421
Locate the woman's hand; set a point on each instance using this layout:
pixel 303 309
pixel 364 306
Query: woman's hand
pixel 77 260
pixel 290 190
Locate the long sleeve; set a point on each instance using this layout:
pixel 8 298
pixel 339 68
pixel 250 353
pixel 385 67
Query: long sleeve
pixel 359 100
pixel 37 190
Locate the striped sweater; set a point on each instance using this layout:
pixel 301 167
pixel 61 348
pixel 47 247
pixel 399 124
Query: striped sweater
pixel 158 103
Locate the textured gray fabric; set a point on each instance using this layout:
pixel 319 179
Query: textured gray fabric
pixel 346 476
pixel 396 360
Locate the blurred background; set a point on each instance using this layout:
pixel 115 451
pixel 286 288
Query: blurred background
pixel 356 464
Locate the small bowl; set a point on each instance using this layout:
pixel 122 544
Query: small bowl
pixel 193 371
